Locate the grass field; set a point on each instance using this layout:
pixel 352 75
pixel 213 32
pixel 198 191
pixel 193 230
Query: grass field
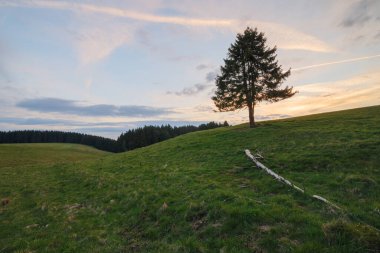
pixel 13 155
pixel 199 192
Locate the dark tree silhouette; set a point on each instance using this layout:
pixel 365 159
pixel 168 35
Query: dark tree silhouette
pixel 147 135
pixel 251 74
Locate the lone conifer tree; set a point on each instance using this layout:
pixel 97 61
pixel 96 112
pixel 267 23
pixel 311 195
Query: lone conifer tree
pixel 251 74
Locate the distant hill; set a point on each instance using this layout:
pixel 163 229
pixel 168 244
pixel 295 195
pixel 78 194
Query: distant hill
pixel 13 155
pixel 132 139
pixel 199 193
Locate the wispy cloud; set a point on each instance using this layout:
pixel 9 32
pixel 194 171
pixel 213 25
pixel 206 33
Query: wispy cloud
pixel 364 58
pixel 36 121
pixel 272 116
pixel 284 36
pixel 73 107
pixel 360 13
pixel 361 21
pixel 118 12
pixel 289 38
pixel 95 40
pixel 204 108
pixel 358 91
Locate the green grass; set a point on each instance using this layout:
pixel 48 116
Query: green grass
pixel 13 155
pixel 199 192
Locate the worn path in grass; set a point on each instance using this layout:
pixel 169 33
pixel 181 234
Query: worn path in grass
pixel 199 193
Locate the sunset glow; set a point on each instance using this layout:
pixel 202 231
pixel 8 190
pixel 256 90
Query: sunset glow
pixel 103 67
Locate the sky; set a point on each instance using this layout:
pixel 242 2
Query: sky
pixel 103 67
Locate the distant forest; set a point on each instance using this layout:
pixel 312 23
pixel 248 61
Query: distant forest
pixel 34 136
pixel 134 138
pixel 147 135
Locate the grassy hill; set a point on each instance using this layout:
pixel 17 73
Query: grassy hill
pixel 199 192
pixel 13 155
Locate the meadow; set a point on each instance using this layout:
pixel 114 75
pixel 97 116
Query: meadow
pixel 199 192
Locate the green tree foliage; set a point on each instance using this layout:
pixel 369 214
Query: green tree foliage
pixel 147 135
pixel 251 74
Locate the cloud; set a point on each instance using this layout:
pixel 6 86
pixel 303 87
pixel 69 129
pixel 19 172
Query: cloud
pixel 36 121
pixel 377 36
pixel 107 129
pixel 360 13
pixel 358 91
pixel 94 125
pixel 169 12
pixel 284 36
pixel 118 12
pixel 73 107
pixel 364 58
pixel 202 66
pixel 204 108
pixel 97 40
pixel 360 22
pixel 289 38
pixel 190 91
pixel 145 38
pixel 272 117
pixel 358 19
pixel 210 76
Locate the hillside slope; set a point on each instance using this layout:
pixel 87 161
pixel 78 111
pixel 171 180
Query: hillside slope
pixel 200 193
pixel 45 153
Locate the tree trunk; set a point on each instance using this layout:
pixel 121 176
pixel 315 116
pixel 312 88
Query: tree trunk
pixel 251 111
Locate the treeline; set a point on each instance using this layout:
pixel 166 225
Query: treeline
pixel 35 136
pixel 135 138
pixel 147 135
